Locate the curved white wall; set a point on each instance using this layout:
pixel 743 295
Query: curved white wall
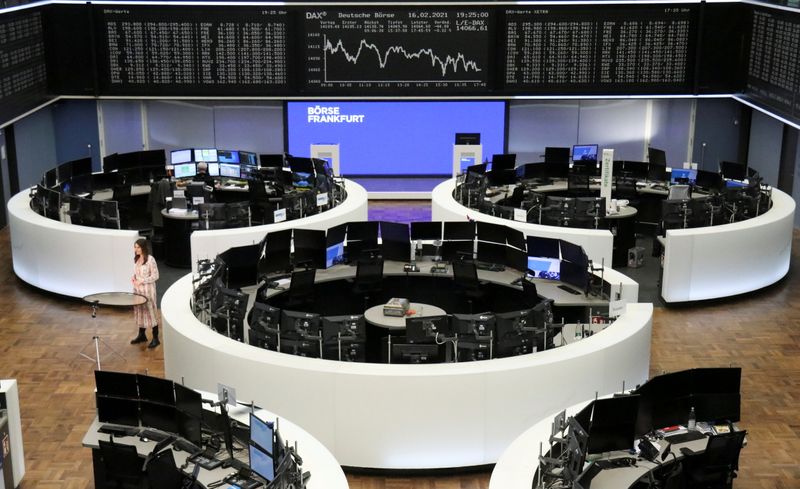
pixel 730 259
pixel 65 258
pixel 76 261
pixel 598 243
pixel 408 416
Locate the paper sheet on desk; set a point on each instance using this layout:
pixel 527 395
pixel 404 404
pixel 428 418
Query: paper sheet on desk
pixel 179 212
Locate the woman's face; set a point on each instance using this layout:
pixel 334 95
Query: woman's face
pixel 137 250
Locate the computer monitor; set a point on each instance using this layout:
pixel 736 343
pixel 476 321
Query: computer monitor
pixel 271 160
pixel 426 231
pixel 492 233
pixel 492 253
pixel 556 156
pixel 464 230
pixel 334 245
pixel 230 170
pixel 501 162
pixel 573 253
pixel 613 424
pixel 511 339
pixel 479 169
pixel 207 155
pixel 116 384
pixel 180 156
pixel 709 180
pixel 303 323
pixel 586 153
pixel 395 241
pixel 515 238
pixel 733 171
pixel 155 389
pixel 261 463
pixel 426 329
pixel 213 169
pixel 415 353
pixel 635 169
pixel 82 166
pixel 575 275
pixel 657 173
pixel 264 317
pixel 117 411
pixel 261 433
pixel 557 170
pixel 185 170
pixel 473 324
pixel 349 326
pixel 545 268
pixel 683 175
pixel 310 248
pixel 530 171
pixel 543 247
pixel 158 416
pixel 277 252
pixel 189 414
pixel 363 231
pixel 656 157
pixel 225 156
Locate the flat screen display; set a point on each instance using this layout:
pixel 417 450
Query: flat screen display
pixel 205 155
pixel 230 170
pixel 262 463
pixel 180 156
pixel 213 169
pixel 380 138
pixel 185 170
pixel 584 153
pixel 334 255
pixel 228 156
pixel 683 175
pixel 261 433
pixel 546 268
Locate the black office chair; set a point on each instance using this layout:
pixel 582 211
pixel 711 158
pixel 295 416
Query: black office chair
pixel 162 473
pixel 122 465
pixel 122 195
pixel 465 276
pixel 530 292
pixel 260 205
pixel 301 288
pixel 625 188
pixel 369 279
pixel 716 467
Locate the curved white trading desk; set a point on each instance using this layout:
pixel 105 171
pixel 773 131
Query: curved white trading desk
pixel 598 243
pixel 730 259
pixel 326 473
pixel 208 244
pixel 76 261
pixel 408 416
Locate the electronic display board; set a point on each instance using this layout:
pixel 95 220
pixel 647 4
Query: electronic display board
pixel 607 49
pixel 165 50
pixel 773 71
pixel 23 70
pixel 396 50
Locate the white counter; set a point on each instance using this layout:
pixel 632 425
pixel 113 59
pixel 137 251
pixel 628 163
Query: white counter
pixel 598 243
pixel 408 416
pixel 721 261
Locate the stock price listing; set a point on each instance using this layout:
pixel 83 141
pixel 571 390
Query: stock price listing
pixel 395 50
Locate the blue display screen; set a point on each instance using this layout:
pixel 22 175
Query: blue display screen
pixel 261 433
pixel 334 255
pixel 262 464
pixel 587 152
pixel 408 138
pixel 547 268
pixel 683 173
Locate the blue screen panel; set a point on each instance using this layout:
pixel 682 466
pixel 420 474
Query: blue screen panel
pixel 408 138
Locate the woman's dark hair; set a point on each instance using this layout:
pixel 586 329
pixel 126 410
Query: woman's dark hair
pixel 145 247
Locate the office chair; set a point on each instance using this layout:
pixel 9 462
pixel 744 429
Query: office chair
pixel 122 465
pixel 716 467
pixel 301 288
pixel 465 276
pixel 679 192
pixel 162 473
pixel 260 205
pixel 530 292
pixel 122 195
pixel 369 279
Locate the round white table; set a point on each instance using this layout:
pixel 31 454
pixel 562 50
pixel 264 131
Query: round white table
pixel 374 315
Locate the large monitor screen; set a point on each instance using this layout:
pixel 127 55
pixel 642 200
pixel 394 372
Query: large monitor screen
pixel 546 268
pixel 185 170
pixel 585 153
pixel 384 138
pixel 180 156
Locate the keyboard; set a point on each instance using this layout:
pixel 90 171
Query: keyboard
pixel 242 482
pixel 208 463
pixel 119 430
pixel 569 289
pixel 684 437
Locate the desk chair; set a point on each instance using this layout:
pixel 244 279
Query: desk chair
pixel 369 279
pixel 625 188
pixel 679 192
pixel 465 276
pixel 716 467
pixel 301 288
pixel 122 465
pixel 162 473
pixel 122 195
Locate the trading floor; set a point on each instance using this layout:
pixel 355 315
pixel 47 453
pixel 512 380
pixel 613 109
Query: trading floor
pixel 42 334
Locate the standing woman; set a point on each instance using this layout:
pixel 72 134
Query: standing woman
pixel 145 274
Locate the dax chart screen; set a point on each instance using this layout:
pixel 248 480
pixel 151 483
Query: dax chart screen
pixel 436 50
